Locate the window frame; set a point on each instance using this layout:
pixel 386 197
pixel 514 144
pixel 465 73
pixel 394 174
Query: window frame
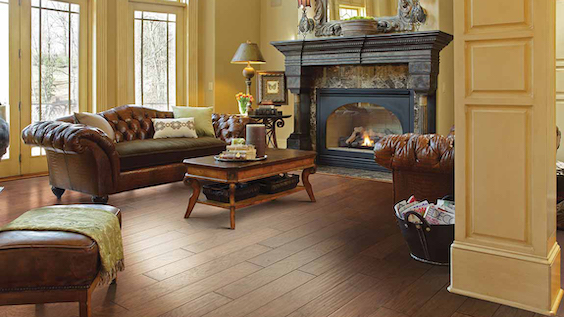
pixel 37 164
pixel 160 6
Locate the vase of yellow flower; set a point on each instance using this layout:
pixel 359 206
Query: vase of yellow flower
pixel 245 101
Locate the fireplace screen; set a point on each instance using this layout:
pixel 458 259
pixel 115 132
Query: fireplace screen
pixel 358 126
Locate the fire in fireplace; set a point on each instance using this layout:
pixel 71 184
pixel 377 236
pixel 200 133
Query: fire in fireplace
pixel 358 126
pixel 351 121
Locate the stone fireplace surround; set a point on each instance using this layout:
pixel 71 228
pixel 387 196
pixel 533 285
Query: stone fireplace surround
pixel 385 61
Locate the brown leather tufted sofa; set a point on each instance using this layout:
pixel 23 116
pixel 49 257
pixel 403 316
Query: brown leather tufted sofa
pixel 84 159
pixel 422 165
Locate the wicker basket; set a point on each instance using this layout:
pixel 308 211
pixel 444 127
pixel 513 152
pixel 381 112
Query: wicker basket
pixel 278 184
pixel 220 192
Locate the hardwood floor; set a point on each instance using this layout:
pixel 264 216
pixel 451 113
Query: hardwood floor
pixel 340 257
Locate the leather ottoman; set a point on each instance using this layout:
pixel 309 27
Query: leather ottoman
pixel 39 267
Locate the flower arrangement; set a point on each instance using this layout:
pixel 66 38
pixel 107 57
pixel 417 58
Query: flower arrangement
pixel 359 18
pixel 244 101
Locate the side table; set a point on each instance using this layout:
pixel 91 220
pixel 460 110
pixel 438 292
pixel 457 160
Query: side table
pixel 271 122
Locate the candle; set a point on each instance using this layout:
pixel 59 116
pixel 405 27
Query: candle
pixel 256 135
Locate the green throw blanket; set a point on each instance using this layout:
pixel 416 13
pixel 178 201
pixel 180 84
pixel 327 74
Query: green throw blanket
pixel 99 225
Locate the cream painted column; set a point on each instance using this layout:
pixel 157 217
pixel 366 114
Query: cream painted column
pixel 505 248
pixel 560 71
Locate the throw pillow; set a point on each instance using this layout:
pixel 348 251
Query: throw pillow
pixel 174 128
pixel 96 121
pixel 202 118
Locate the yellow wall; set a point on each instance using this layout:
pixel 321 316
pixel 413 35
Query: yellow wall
pixel 440 17
pixel 279 20
pixel 223 26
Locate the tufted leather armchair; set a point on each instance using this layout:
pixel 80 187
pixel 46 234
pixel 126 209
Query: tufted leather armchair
pixel 422 165
pixel 84 159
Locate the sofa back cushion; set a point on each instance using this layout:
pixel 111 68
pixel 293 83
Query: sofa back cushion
pixel 133 122
pixel 97 121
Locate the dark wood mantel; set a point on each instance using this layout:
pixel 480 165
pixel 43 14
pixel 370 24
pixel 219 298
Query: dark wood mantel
pixel 420 50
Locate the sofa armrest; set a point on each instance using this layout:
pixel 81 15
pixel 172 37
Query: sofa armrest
pixel 89 143
pixel 422 153
pixel 67 137
pixel 228 126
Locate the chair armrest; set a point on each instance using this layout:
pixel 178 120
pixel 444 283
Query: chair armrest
pixel 228 126
pixel 422 153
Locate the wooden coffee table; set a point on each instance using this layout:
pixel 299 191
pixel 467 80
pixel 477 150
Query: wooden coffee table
pixel 278 161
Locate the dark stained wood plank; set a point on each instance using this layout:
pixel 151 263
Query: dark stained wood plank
pixel 290 302
pixel 161 288
pixel 246 304
pixel 203 257
pixel 506 311
pixel 295 246
pixel 443 304
pixel 181 296
pixel 385 247
pixel 346 252
pixel 418 293
pixel 272 272
pixel 385 312
pixel 478 308
pixel 199 307
pixel 332 300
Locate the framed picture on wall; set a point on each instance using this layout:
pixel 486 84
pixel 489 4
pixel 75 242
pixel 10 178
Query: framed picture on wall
pixel 271 88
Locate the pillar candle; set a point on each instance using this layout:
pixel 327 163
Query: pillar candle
pixel 256 135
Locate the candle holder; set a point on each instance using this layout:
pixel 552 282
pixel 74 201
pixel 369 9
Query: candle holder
pixel 307 25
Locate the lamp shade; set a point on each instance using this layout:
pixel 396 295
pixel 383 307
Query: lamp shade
pixel 304 3
pixel 248 53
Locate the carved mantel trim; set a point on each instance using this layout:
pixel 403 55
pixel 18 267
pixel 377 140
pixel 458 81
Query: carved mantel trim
pixel 418 49
pixel 410 15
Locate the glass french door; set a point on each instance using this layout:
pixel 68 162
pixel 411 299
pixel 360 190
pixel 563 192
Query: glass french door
pixel 9 83
pixel 54 67
pixel 157 59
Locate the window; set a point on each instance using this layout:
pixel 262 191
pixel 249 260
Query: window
pixel 155 59
pixel 54 59
pixel 346 12
pixel 58 50
pixel 4 64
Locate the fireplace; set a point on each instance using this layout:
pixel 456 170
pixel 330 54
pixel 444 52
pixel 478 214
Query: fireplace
pixel 376 84
pixel 351 121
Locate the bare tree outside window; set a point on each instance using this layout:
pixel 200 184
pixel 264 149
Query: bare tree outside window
pixel 155 59
pixel 55 59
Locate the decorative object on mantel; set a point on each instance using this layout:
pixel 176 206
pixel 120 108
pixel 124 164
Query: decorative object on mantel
pixel 245 103
pixel 307 25
pixel 256 135
pixel 359 26
pixel 248 53
pixel 410 15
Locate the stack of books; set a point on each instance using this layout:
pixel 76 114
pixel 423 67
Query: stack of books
pixel 239 152
pixel 441 213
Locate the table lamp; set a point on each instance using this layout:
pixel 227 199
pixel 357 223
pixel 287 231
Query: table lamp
pixel 248 53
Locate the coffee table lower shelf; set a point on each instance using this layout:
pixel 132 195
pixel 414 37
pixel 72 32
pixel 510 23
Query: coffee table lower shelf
pixel 259 199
